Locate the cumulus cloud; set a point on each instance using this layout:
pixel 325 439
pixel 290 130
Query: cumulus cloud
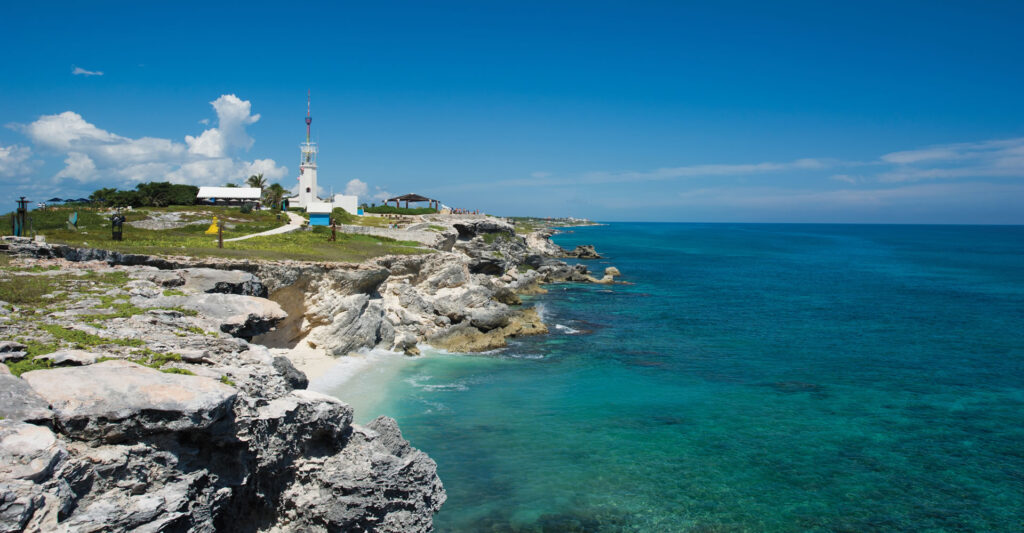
pixel 79 71
pixel 233 115
pixel 79 167
pixel 67 131
pixel 356 188
pixel 16 160
pixel 92 153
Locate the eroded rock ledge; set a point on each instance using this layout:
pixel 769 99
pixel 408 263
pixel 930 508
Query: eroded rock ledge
pixel 232 441
pixel 208 433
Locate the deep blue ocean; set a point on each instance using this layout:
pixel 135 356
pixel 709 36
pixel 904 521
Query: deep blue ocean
pixel 750 377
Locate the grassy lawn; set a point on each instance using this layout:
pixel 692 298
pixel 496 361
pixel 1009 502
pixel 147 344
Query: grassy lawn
pixel 190 239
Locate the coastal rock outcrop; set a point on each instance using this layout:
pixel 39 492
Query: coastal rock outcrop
pixel 116 401
pixel 188 429
pixel 584 251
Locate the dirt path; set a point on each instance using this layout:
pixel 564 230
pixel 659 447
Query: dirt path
pixel 296 223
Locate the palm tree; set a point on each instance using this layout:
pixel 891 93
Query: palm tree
pixel 274 195
pixel 257 180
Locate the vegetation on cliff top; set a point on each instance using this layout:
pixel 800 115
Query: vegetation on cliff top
pixel 184 234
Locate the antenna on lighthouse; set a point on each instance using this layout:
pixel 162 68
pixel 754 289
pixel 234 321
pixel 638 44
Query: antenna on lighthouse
pixel 309 118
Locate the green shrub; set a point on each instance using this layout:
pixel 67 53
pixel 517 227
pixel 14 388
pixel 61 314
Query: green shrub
pixel 341 216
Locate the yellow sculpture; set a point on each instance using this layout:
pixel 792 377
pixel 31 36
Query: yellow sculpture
pixel 213 227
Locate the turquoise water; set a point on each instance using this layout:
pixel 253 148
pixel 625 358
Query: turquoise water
pixel 751 378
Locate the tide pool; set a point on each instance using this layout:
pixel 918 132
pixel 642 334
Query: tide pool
pixel 750 378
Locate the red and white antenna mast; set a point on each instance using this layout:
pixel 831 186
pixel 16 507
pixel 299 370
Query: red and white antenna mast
pixel 309 118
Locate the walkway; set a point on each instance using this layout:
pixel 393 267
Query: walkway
pixel 295 223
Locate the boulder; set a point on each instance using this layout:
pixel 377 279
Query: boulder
pixel 401 497
pixel 584 251
pixel 119 400
pixel 213 280
pixel 471 228
pixel 235 314
pixel 295 378
pixel 71 357
pixel 356 281
pixel 539 242
pixel 165 278
pixel 12 356
pixel 357 323
pixel 28 451
pixel 20 403
pixel 11 346
pixel 489 317
pixel 464 338
pixel 441 271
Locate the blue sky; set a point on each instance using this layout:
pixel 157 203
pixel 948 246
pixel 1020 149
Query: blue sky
pixel 907 112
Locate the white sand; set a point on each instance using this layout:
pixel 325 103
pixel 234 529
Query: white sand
pixel 314 362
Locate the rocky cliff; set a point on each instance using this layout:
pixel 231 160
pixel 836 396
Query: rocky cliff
pixel 164 418
pixel 159 406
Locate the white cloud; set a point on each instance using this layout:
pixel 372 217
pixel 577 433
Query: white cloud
pixel 380 194
pixel 233 115
pixel 267 167
pixel 540 174
pixel 205 121
pixel 79 167
pixel 92 153
pixel 846 178
pixel 79 71
pixel 67 131
pixel 356 188
pixel 16 160
pixel 1001 158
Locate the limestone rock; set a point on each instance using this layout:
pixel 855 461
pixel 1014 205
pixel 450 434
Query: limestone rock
pixel 165 278
pixel 471 228
pixel 357 322
pixel 539 242
pixel 11 346
pixel 212 280
pixel 12 356
pixel 119 400
pixel 20 403
pixel 404 494
pixel 464 338
pixel 28 451
pixel 492 316
pixel 235 314
pixel 71 357
pixel 292 376
pixel 584 251
pixel 356 281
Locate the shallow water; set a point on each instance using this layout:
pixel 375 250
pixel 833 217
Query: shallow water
pixel 752 378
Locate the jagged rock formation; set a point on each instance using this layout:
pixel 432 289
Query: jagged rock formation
pixel 230 441
pixel 239 444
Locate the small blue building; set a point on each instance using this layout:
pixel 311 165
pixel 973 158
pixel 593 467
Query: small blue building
pixel 319 213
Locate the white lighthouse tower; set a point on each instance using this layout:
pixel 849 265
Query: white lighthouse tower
pixel 307 167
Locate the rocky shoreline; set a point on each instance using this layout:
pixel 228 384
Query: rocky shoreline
pixel 178 410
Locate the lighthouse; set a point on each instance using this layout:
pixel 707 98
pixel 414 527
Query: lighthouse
pixel 307 166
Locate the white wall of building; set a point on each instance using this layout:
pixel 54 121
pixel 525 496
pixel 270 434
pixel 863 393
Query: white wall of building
pixel 350 203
